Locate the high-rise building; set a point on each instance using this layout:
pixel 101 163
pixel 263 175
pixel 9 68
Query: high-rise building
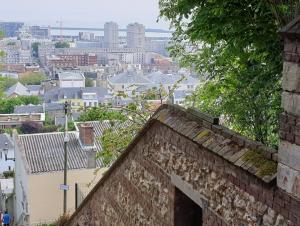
pixel 10 28
pixel 136 36
pixel 111 35
pixel 40 32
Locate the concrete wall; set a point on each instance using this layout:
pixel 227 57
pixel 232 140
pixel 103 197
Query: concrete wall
pixel 21 187
pixel 5 165
pixel 45 197
pixel 71 83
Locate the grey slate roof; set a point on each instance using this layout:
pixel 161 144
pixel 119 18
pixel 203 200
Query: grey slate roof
pixel 18 89
pixel 160 78
pixel 91 75
pixel 44 152
pixel 70 75
pixel 129 77
pixel 28 109
pixel 34 88
pixel 181 94
pixel 73 93
pixel 54 107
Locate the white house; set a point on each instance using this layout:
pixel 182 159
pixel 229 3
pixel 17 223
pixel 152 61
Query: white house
pixel 6 151
pixel 68 79
pixel 168 81
pixel 127 81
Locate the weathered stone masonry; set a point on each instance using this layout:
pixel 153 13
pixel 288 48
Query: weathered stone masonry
pixel 234 180
pixel 289 150
pixel 139 189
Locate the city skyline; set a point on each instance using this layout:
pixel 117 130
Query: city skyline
pixel 94 14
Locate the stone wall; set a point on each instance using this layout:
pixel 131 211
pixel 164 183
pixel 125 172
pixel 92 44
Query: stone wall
pixel 288 177
pixel 140 189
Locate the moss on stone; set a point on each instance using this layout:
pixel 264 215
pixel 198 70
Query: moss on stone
pixel 204 133
pixel 265 167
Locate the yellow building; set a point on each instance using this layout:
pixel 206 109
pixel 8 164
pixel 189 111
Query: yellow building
pixel 39 171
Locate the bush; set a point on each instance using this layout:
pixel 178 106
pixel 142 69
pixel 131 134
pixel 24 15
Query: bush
pixel 62 220
pixel 32 78
pixel 30 127
pixel 8 174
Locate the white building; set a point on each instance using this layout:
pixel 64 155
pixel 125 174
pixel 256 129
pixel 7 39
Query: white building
pixel 14 54
pixel 127 82
pixel 46 48
pixel 111 35
pixel 71 79
pixel 182 82
pixel 136 36
pixel 6 145
pixel 6 191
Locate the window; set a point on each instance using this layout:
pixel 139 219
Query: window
pixel 186 211
pixel 9 168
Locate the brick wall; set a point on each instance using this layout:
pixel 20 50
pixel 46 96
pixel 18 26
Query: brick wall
pixel 288 176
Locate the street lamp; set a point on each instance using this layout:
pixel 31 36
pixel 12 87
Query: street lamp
pixel 6 153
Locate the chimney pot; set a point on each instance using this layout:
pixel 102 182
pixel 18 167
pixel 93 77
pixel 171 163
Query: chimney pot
pixel 86 135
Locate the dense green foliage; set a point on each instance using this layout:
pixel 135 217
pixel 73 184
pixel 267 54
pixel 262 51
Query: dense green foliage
pixel 116 139
pixel 32 78
pixel 235 45
pixel 35 49
pixel 8 174
pixel 7 105
pixel 89 82
pixel 60 45
pixel 100 114
pixel 2 53
pixel 5 83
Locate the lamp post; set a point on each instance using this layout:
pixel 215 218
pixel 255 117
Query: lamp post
pixel 66 140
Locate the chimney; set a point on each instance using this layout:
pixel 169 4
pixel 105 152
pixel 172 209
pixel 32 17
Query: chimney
pixel 86 135
pixel 87 140
pixel 288 176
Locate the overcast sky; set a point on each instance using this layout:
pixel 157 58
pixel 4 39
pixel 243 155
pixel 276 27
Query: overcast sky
pixel 89 13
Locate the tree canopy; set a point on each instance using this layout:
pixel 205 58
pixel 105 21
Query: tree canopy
pixel 35 48
pixel 100 114
pixel 234 44
pixel 5 83
pixel 7 105
pixel 61 44
pixel 32 78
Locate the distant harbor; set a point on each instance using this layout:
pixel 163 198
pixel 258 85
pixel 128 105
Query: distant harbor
pixel 149 30
pixel 70 31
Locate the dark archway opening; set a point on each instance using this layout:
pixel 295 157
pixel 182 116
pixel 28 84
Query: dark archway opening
pixel 186 211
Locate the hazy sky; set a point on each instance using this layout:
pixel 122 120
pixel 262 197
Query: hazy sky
pixel 89 13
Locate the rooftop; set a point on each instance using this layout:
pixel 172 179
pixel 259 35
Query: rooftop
pixel 161 78
pixel 21 109
pixel 68 75
pixel 129 77
pixel 18 89
pixel 73 93
pixel 45 153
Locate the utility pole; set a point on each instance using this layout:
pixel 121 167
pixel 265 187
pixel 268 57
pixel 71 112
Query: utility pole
pixel 66 140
